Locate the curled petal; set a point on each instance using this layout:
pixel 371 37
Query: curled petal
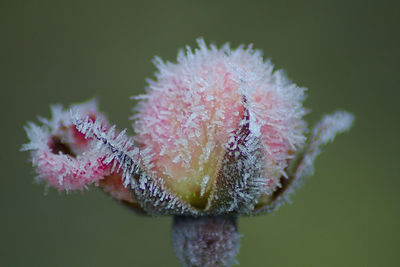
pixel 61 155
pixel 67 159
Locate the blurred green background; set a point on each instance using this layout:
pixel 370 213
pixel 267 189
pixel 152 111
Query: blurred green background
pixel 345 52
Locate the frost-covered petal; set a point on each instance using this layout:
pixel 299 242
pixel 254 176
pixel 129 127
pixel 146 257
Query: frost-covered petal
pixel 66 159
pixel 60 154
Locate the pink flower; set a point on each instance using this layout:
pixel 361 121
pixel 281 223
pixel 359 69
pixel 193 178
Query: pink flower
pixel 218 134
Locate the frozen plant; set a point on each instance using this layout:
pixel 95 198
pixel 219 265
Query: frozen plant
pixel 218 135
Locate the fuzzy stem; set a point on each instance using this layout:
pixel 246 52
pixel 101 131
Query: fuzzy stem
pixel 206 240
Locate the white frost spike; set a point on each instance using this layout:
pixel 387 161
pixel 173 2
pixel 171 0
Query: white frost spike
pixel 35 134
pixel 204 183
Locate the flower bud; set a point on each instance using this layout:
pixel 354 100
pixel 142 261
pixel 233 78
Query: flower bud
pixel 203 115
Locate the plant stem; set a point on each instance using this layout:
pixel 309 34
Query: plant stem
pixel 206 240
